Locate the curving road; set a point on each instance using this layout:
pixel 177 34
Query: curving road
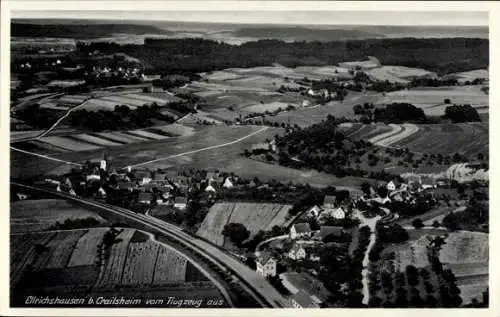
pixel 254 284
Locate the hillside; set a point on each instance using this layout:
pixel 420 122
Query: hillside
pixel 305 34
pixel 86 31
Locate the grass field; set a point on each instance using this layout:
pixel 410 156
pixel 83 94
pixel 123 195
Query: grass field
pixel 470 75
pixel 41 214
pixel 254 216
pixel 398 74
pixel 431 99
pixel 465 247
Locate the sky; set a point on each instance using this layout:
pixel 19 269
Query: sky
pixel 415 18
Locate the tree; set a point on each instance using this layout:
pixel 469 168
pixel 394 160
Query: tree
pixel 417 223
pixel 236 232
pixel 447 101
pixel 436 224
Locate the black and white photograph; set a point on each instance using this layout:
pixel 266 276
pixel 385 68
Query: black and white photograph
pixel 248 159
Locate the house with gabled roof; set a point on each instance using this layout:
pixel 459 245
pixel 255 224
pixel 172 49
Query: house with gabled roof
pixel 314 211
pixel 266 264
pixel 297 252
pixel 180 202
pixel 300 230
pixel 145 198
pixel 329 202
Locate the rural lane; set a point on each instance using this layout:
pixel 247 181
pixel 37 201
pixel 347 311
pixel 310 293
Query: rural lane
pixel 371 223
pixel 45 156
pixel 202 149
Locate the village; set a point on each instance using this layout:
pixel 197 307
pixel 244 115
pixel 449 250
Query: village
pixel 291 257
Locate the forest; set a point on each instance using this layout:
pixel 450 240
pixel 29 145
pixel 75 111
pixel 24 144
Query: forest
pixel 442 56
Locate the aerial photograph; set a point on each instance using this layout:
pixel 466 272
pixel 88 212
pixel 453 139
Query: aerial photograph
pixel 249 159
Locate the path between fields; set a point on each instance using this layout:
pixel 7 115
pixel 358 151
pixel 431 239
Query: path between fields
pixel 59 120
pixel 45 156
pixel 202 149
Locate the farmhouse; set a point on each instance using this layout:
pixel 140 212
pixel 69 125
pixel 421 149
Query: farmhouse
pixel 266 264
pixel 338 213
pixel 228 183
pixel 314 211
pixel 297 252
pixel 143 177
pixel 329 202
pixel 145 198
pixel 300 230
pixel 125 186
pixel 393 185
pixel 210 189
pixel 180 203
pixel 427 183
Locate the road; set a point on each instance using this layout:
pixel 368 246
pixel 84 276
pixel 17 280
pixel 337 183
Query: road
pixel 254 284
pixel 202 149
pixel 257 248
pixel 370 222
pixel 45 156
pixel 59 120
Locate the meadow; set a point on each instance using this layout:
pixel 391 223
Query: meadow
pixel 41 214
pixel 254 216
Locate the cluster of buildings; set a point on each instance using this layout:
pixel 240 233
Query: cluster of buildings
pixel 306 290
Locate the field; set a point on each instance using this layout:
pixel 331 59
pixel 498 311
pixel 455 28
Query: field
pixel 470 75
pixel 68 266
pixel 398 74
pixel 170 267
pixel 307 116
pixel 225 158
pixel 94 141
pixel 58 250
pixel 431 100
pixel 467 254
pixel 85 251
pixel 466 138
pixel 254 216
pixel 140 264
pixel 113 269
pixel 108 101
pixel 41 214
pixel 446 139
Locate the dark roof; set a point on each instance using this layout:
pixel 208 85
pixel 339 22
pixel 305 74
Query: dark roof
pixel 180 200
pixel 160 176
pixel 307 283
pixel 145 196
pixel 125 185
pixel 304 300
pixel 142 174
pixel 329 200
pixel 428 181
pixel 327 230
pixel 302 227
pixel 264 257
